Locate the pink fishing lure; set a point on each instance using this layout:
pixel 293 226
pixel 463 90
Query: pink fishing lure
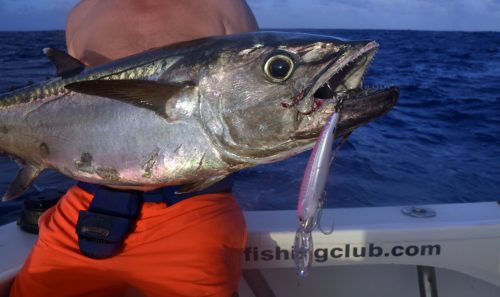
pixel 311 194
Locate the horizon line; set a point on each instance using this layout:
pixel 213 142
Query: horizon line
pixel 300 29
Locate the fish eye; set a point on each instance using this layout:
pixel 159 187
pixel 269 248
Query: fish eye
pixel 279 67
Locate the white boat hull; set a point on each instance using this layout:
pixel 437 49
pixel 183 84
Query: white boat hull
pixel 372 252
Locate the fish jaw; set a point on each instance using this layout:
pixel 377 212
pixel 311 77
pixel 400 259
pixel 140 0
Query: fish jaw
pixel 340 88
pixel 339 76
pixel 362 109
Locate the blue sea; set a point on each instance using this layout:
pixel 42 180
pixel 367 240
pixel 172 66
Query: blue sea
pixel 440 144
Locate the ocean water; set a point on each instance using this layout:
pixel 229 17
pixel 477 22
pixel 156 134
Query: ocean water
pixel 439 144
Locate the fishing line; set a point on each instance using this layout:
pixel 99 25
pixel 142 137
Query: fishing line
pixel 320 214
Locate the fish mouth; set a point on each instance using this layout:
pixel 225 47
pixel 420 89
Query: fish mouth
pixel 339 87
pixel 340 78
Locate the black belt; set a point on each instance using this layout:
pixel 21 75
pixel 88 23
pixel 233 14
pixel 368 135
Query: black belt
pixel 112 213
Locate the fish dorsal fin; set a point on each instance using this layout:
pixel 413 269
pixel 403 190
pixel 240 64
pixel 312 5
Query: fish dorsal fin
pixel 22 181
pixel 65 64
pixel 143 93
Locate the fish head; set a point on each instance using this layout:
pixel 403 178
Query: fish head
pixel 268 98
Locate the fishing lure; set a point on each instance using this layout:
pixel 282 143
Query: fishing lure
pixel 312 195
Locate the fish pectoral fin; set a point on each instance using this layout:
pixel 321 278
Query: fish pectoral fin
pixel 142 93
pixel 66 65
pixel 22 181
pixel 199 185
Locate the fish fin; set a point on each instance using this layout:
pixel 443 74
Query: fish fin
pixel 199 185
pixel 143 93
pixel 65 64
pixel 22 181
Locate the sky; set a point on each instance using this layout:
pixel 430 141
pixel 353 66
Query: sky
pixel 462 15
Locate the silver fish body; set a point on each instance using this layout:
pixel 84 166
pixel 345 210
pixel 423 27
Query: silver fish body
pixel 189 113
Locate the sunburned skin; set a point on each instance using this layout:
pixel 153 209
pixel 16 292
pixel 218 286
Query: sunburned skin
pixel 99 31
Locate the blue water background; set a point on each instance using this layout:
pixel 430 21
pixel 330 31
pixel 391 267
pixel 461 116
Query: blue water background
pixel 440 144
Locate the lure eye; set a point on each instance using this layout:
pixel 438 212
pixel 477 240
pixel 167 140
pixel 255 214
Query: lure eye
pixel 278 68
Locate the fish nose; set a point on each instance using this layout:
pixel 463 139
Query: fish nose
pixel 359 44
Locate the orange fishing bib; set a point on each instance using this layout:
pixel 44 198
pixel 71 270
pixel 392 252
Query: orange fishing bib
pixel 192 248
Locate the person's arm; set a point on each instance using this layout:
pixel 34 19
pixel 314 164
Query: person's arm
pixel 238 17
